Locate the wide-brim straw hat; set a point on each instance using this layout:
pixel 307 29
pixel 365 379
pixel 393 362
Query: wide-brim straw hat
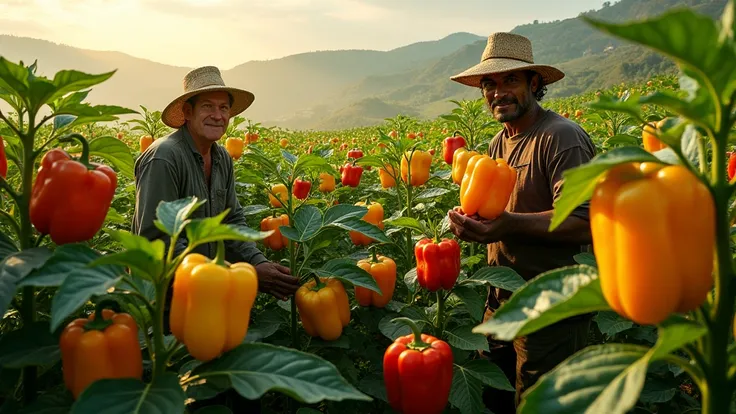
pixel 507 52
pixel 204 79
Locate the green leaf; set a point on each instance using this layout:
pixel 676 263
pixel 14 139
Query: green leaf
pixel 599 379
pixel 65 260
pixel 581 181
pixel 586 259
pixel 371 160
pixel 497 276
pixel 463 338
pixel 140 254
pixel 7 246
pixel 393 330
pixel 254 209
pixel 116 152
pixel 113 216
pixel 489 373
pixel 342 212
pixel 431 193
pixel 466 393
pixel 627 105
pixel 211 229
pixel 675 332
pixel 548 298
pixel 363 227
pixel 348 271
pixel 60 121
pixel 622 139
pixel 215 409
pixel 254 369
pixel 67 81
pixel 407 223
pixel 610 323
pixel 31 345
pixel 312 162
pixel 132 396
pixel 699 110
pixel 473 302
pixel 56 401
pixel 172 216
pixel 15 267
pixel 87 114
pixel 307 222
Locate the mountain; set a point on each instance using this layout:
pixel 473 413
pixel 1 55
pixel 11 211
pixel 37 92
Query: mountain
pixel 347 88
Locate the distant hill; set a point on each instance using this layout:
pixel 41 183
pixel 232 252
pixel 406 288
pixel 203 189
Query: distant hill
pixel 348 88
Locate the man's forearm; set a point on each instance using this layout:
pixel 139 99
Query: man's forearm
pixel 536 226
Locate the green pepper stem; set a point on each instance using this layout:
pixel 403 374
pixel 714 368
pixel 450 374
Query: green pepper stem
pixel 220 257
pixel 318 283
pixel 417 343
pixel 375 257
pixel 99 323
pixel 84 158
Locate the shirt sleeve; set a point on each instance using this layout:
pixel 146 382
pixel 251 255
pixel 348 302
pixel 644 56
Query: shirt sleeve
pixel 565 160
pixel 155 182
pixel 237 251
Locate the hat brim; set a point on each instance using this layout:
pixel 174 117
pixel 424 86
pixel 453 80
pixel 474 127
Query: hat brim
pixel 173 114
pixel 473 75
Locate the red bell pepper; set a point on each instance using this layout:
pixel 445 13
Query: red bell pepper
pixel 438 264
pixel 3 160
pixel 301 188
pixel 355 153
pixel 70 198
pixel 731 166
pixel 350 174
pixel 450 145
pixel 417 371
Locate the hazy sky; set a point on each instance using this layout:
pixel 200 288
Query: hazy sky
pixel 229 32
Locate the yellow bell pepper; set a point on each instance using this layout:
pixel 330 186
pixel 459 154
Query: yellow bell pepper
pixel 234 147
pixel 283 196
pixel 387 176
pixel 421 161
pixel 211 304
pixel 486 187
pixel 653 229
pixel 459 162
pixel 327 182
pixel 324 308
pixel 373 216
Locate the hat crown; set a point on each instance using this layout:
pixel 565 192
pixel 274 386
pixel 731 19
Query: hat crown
pixel 202 77
pixel 508 46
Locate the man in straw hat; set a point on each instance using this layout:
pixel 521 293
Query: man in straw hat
pixel 189 162
pixel 540 144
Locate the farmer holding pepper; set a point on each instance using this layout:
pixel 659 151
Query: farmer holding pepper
pixel 539 145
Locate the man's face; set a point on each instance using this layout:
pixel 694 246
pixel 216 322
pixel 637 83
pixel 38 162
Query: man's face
pixel 210 115
pixel 509 95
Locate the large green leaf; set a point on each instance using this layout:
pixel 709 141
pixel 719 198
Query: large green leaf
pixel 581 181
pixel 172 216
pixel 210 229
pixel 307 222
pixel 362 227
pixel 66 81
pixel 139 253
pixel 497 276
pixel 463 338
pixel 131 396
pixel 31 345
pixel 342 212
pixel 348 271
pixel 15 267
pixel 7 246
pixel 254 369
pixel 116 152
pixel 548 298
pixel 473 302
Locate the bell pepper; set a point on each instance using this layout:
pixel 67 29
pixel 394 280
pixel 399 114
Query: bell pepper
pixel 350 174
pixel 651 142
pixel 460 162
pixel 487 186
pixel 3 160
pixel 326 182
pixel 450 145
pixel 234 147
pixel 70 198
pixel 100 348
pixel 276 241
pixel 731 169
pixel 145 142
pixel 383 270
pixel 324 308
pixel 653 229
pixel 373 216
pixel 387 175
pixel 438 264
pixel 282 193
pixel 301 188
pixel 251 137
pixel 420 163
pixel 417 372
pixel 355 153
pixel 211 303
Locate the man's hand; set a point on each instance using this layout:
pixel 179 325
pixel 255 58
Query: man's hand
pixel 276 280
pixel 477 229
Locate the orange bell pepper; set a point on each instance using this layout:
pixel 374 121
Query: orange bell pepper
pixel 487 186
pixel 387 176
pixel 421 161
pixel 324 308
pixel 234 147
pixel 651 142
pixel 275 241
pixel 459 162
pixel 373 216
pixel 383 270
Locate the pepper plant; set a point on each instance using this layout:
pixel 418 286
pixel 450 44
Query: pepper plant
pixel 699 342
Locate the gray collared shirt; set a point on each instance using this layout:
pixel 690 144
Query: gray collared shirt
pixel 172 168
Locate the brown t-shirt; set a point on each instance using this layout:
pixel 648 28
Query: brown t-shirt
pixel 540 155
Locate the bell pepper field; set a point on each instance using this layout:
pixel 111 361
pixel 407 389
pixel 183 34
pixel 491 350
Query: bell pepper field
pixel 389 315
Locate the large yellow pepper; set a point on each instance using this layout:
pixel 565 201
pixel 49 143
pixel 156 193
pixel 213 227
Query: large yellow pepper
pixel 653 229
pixel 387 176
pixel 324 309
pixel 211 303
pixel 420 163
pixel 276 241
pixel 486 187
pixel 373 216
pixel 383 270
pixel 327 182
pixel 459 162
pixel 234 147
pixel 283 195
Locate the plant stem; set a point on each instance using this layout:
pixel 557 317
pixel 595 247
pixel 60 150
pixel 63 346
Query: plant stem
pixel 159 351
pixel 294 331
pixel 440 313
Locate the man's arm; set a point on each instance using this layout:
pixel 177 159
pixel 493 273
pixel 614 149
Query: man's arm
pixel 155 182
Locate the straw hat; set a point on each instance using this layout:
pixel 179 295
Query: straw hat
pixel 506 52
pixel 204 79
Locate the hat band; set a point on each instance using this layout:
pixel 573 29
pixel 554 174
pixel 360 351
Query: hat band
pixel 510 58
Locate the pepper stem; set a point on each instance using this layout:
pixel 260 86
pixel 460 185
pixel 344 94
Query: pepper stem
pixel 98 323
pixel 375 257
pixel 84 159
pixel 318 283
pixel 417 343
pixel 220 257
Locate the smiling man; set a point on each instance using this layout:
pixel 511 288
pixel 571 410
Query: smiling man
pixel 190 162
pixel 540 144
